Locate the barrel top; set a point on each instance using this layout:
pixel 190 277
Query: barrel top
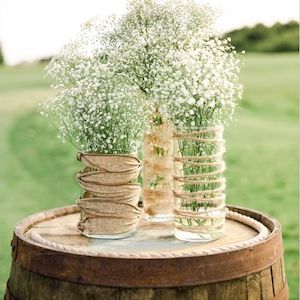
pixel 57 229
pixel 49 243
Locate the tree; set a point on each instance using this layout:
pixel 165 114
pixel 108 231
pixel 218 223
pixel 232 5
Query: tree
pixel 1 56
pixel 277 38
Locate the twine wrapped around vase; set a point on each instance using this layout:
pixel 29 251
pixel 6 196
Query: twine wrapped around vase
pixel 199 186
pixel 109 205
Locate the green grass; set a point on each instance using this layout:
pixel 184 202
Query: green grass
pixel 262 149
pixel 38 172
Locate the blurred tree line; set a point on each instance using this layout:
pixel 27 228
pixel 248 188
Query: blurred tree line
pixel 1 56
pixel 260 38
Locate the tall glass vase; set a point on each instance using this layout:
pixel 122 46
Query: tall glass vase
pixel 158 172
pixel 199 185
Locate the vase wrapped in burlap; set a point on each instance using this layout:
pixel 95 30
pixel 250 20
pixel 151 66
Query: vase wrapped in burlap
pixel 109 205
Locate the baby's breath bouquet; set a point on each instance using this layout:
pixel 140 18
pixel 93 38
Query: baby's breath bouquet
pixel 150 30
pixel 94 108
pixel 139 47
pixel 199 86
pixel 99 112
pixel 161 66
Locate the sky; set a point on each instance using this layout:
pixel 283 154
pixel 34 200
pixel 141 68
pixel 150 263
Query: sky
pixel 34 29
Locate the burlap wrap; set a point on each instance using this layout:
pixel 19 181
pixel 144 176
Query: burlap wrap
pixel 209 183
pixel 110 203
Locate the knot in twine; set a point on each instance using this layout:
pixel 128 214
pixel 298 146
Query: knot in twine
pixel 199 191
pixel 110 203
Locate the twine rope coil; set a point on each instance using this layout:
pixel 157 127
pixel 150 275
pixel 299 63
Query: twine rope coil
pixel 203 214
pixel 201 131
pixel 209 211
pixel 216 141
pixel 262 230
pixel 183 179
pixel 220 198
pixel 110 203
pixel 208 174
pixel 202 157
pixel 188 195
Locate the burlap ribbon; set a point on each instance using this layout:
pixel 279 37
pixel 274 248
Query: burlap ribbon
pixel 210 183
pixel 109 205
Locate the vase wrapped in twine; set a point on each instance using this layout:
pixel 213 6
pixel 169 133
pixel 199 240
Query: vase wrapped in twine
pixel 199 186
pixel 109 205
pixel 158 172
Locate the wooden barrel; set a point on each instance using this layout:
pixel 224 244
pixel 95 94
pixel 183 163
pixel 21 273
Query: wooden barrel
pixel 51 260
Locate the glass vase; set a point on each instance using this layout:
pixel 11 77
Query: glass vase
pixel 199 185
pixel 158 172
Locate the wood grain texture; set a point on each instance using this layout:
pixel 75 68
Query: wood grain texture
pixel 283 294
pixel 283 271
pixel 26 285
pixel 41 272
pixel 150 238
pixel 253 286
pixel 146 272
pixel 266 284
pixel 277 279
pixel 234 289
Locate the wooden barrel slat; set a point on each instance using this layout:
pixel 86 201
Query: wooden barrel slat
pixel 253 286
pixel 64 266
pixel 277 277
pixel 27 281
pixel 151 265
pixel 266 284
pixel 283 272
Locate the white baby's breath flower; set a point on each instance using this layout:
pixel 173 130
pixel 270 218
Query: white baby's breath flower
pixel 191 101
pixel 160 58
pixel 206 74
pixel 94 108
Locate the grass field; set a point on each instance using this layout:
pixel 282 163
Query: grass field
pixel 37 171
